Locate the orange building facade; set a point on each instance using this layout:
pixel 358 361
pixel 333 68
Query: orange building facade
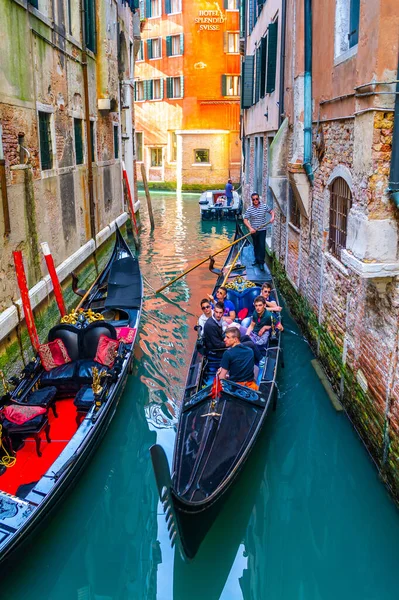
pixel 187 88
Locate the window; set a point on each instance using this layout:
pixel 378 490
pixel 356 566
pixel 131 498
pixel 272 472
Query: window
pixel 294 212
pixel 139 146
pixel 231 4
pixel 92 142
pixel 175 87
pixel 46 150
pixel 340 205
pixel 172 6
pixel 258 164
pixel 116 141
pixel 174 45
pixel 248 82
pixel 154 48
pixel 247 158
pixel 90 24
pixel 139 91
pixel 232 42
pixel 140 53
pixel 156 157
pixel 77 124
pixel 271 57
pixel 153 8
pixel 157 89
pixel 347 13
pixel 173 147
pixel 201 156
pixel 230 85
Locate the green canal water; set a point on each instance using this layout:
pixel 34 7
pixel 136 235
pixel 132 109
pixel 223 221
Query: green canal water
pixel 308 520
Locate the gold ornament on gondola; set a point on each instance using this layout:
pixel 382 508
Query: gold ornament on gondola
pixel 240 284
pixel 78 315
pixel 97 376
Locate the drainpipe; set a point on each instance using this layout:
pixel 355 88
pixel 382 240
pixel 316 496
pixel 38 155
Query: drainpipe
pixel 282 60
pixel 393 186
pixel 87 119
pixel 307 103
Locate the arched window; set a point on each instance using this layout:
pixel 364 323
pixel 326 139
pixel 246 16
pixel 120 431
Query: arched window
pixel 340 205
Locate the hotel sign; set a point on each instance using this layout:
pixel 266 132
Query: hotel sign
pixel 210 20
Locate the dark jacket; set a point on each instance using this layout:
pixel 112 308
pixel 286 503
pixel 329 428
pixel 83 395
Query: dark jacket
pixel 213 335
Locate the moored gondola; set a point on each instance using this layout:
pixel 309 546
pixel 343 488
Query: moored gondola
pixel 64 400
pixel 218 428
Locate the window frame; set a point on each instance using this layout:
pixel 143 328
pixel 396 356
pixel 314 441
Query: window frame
pixel 141 51
pixel 139 146
pixel 202 162
pixel 237 46
pixel 337 236
pixel 49 118
pixel 140 86
pixel 79 156
pixel 158 43
pixel 116 141
pixel 175 12
pixel 158 151
pixel 159 5
pixel 154 82
pixel 234 77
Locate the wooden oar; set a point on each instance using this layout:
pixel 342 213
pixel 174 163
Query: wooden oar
pixel 206 259
pixel 232 266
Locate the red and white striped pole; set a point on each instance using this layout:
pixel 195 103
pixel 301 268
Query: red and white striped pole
pixel 129 193
pixel 23 288
pixel 54 278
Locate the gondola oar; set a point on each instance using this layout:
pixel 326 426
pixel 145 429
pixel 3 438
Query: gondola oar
pixel 206 259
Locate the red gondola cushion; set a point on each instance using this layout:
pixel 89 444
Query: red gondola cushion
pixel 126 334
pixel 53 354
pixel 242 313
pixel 21 414
pixel 106 351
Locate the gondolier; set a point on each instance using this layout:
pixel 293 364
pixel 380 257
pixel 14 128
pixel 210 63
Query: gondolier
pixel 254 217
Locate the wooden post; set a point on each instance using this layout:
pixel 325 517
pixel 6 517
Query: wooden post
pixel 4 196
pixel 54 278
pixel 147 195
pixel 23 288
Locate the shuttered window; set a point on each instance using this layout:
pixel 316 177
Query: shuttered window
pixel 231 4
pixel 175 87
pixel 154 48
pixel 116 141
pixel 263 66
pixel 77 123
pixel 92 142
pixel 175 45
pixel 271 58
pixel 46 152
pixel 257 77
pixel 354 14
pixel 90 24
pixel 247 82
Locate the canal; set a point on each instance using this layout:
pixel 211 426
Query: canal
pixel 309 519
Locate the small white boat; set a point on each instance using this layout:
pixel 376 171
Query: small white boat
pixel 214 205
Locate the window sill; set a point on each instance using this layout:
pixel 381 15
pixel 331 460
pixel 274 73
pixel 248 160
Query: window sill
pixel 201 164
pixel 154 17
pixel 233 96
pixel 174 13
pixel 174 55
pixel 346 55
pixel 155 58
pixel 48 173
pixel 335 262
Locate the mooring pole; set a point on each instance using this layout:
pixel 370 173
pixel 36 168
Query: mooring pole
pixel 147 195
pixel 54 278
pixel 23 288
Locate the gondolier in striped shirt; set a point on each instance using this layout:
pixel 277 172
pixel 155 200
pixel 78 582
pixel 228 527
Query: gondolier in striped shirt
pixel 256 216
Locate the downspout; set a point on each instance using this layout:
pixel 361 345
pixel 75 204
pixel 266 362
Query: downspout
pixel 393 186
pixel 307 103
pixel 282 61
pixel 88 131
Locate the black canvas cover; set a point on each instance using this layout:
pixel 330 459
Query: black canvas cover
pixel 124 284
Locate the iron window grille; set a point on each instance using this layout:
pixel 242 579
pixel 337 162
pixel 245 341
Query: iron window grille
pixel 116 141
pixel 340 205
pixel 201 155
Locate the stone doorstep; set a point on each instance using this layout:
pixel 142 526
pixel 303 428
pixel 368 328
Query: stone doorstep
pixel 40 291
pixel 370 270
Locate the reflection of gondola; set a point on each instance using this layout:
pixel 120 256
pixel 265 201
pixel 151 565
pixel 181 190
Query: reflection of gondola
pixel 84 391
pixel 216 434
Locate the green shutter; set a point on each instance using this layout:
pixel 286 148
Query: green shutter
pixel 148 8
pixel 251 20
pixel 142 9
pixel 257 77
pixel 34 3
pixel 181 86
pixel 135 91
pixel 168 7
pixel 182 43
pixel 169 87
pixel 161 86
pixel 46 157
pixel 226 4
pixel 247 82
pixel 78 141
pixel 271 58
pixel 224 85
pixel 168 45
pixel 354 23
pixel 263 55
pixel 90 24
pixel 116 141
pixel 149 48
pixel 150 88
pixel 242 18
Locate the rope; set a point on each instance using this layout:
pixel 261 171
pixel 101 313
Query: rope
pixel 7 460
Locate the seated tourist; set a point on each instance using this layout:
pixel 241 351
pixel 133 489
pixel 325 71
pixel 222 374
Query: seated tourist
pixel 238 362
pixel 271 304
pixel 207 312
pixel 213 329
pixel 229 308
pixel 261 323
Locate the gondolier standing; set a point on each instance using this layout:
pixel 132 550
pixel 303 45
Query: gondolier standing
pixel 254 217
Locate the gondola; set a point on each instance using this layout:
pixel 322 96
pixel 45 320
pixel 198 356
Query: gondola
pixel 78 398
pixel 216 434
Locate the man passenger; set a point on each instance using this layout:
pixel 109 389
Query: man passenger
pixel 207 313
pixel 261 322
pixel 238 362
pixel 271 304
pixel 229 308
pixel 213 329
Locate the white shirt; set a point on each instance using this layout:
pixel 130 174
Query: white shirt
pixel 202 320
